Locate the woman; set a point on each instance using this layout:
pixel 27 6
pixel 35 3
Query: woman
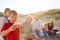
pixel 50 28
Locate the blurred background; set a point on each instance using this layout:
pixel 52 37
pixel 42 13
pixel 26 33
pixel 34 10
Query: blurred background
pixel 44 16
pixel 39 9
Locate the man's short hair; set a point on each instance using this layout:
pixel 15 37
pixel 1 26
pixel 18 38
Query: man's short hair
pixel 13 12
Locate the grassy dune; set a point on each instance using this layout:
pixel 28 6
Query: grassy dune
pixel 1 14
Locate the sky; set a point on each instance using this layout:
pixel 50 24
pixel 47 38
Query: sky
pixel 29 6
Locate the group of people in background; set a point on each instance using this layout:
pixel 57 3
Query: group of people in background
pixel 43 30
pixel 46 30
pixel 30 30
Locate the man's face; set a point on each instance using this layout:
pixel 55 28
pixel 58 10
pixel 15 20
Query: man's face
pixel 29 20
pixel 13 18
pixel 7 13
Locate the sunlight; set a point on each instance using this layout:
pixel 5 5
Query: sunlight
pixel 29 6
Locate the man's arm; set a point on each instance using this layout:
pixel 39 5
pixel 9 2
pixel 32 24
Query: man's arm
pixel 12 28
pixel 5 32
pixel 19 26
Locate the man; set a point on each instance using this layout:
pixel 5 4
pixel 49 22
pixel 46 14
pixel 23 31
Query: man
pixel 12 32
pixel 27 27
pixel 36 27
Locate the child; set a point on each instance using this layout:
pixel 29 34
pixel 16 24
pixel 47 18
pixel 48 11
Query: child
pixel 45 29
pixel 5 19
pixel 6 15
pixel 11 32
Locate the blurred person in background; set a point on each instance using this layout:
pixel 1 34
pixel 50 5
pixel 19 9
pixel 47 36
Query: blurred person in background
pixel 50 27
pixel 36 28
pixel 27 28
pixel 51 30
pixel 45 29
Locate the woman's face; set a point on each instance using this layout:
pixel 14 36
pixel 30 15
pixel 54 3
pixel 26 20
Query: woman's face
pixel 51 24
